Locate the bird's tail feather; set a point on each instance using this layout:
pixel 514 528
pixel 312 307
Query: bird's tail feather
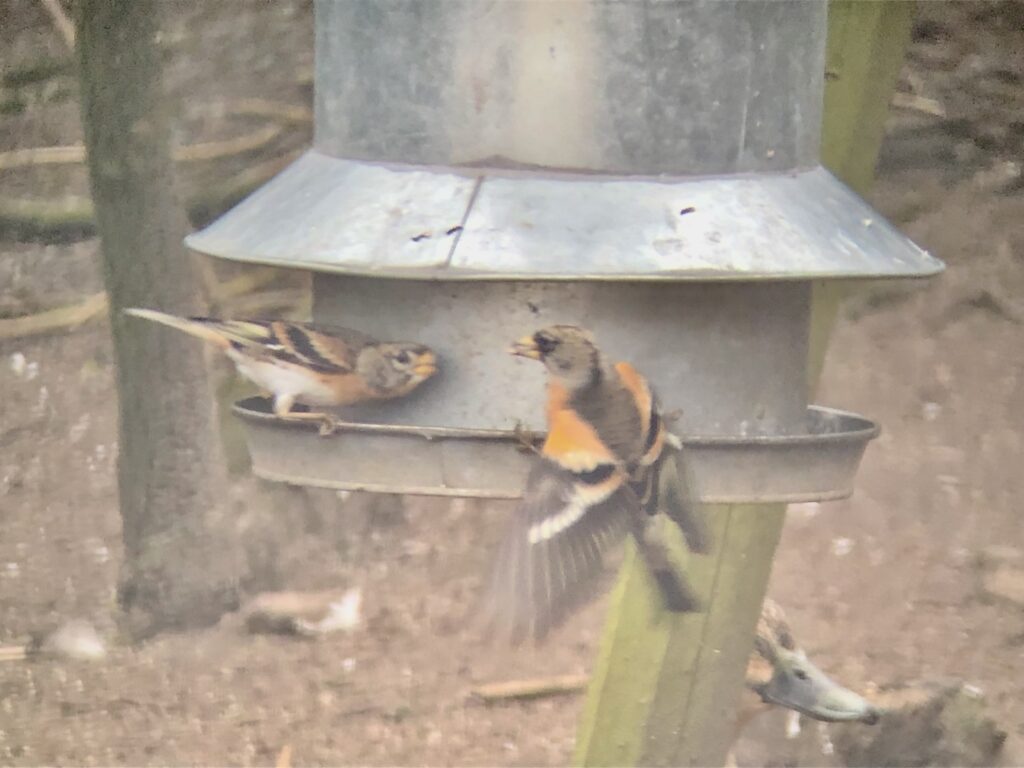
pixel 219 332
pixel 199 327
pixel 679 500
pixel 676 592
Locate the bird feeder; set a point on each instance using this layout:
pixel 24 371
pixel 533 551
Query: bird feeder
pixel 649 170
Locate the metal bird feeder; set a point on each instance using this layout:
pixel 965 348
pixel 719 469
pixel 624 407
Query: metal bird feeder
pixel 649 170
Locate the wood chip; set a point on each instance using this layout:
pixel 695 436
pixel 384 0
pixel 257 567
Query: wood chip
pixel 533 688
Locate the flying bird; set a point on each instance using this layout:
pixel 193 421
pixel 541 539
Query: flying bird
pixel 310 364
pixel 607 465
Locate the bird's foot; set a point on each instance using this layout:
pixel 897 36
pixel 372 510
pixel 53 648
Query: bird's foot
pixel 671 417
pixel 526 440
pixel 328 425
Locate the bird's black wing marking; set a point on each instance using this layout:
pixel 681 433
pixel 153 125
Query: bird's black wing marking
pixel 294 344
pixel 551 557
pixel 304 347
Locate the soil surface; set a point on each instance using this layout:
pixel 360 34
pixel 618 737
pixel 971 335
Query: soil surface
pixel 880 589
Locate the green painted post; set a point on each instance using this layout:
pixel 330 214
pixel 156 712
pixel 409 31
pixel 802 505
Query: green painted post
pixel 863 56
pixel 664 688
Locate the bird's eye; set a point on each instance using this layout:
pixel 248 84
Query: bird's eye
pixel 545 344
pixel 800 674
pixel 402 357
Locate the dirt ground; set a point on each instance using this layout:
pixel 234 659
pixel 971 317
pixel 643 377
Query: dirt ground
pixel 881 588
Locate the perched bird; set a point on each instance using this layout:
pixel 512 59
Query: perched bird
pixel 312 364
pixel 607 464
pixel 779 674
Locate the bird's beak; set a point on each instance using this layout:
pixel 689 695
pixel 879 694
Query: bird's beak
pixel 799 685
pixel 426 365
pixel 525 347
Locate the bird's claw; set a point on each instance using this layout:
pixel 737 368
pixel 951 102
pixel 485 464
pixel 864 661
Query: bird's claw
pixel 671 417
pixel 328 425
pixel 525 438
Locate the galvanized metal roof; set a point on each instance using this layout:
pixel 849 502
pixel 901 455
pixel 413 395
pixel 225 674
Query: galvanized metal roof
pixel 333 215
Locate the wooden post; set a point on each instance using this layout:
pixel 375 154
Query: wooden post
pixel 865 50
pixel 664 688
pixel 863 56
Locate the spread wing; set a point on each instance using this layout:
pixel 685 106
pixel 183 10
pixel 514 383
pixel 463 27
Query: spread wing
pixel 551 558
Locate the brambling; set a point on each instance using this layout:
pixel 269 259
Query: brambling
pixel 312 364
pixel 607 464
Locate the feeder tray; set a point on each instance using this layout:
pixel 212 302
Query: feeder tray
pixel 816 465
pixel 647 170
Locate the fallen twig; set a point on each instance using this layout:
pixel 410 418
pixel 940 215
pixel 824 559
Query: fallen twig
pixel 71 316
pixel 13 652
pixel 918 104
pixel 210 200
pixel 27 216
pixel 289 113
pixel 190 153
pixel 247 282
pixel 27 156
pixel 295 302
pixel 533 688
pixel 56 218
pixel 214 150
pixel 62 318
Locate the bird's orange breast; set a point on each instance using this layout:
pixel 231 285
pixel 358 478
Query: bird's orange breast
pixel 571 440
pixel 348 388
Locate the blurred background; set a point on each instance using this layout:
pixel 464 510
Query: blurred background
pixel 917 582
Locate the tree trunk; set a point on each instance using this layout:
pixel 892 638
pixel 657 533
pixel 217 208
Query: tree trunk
pixel 177 571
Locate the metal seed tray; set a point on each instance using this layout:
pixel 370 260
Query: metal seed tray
pixel 818 464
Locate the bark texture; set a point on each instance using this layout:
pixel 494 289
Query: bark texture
pixel 178 570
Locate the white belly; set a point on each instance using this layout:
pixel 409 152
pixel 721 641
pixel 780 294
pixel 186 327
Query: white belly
pixel 283 380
